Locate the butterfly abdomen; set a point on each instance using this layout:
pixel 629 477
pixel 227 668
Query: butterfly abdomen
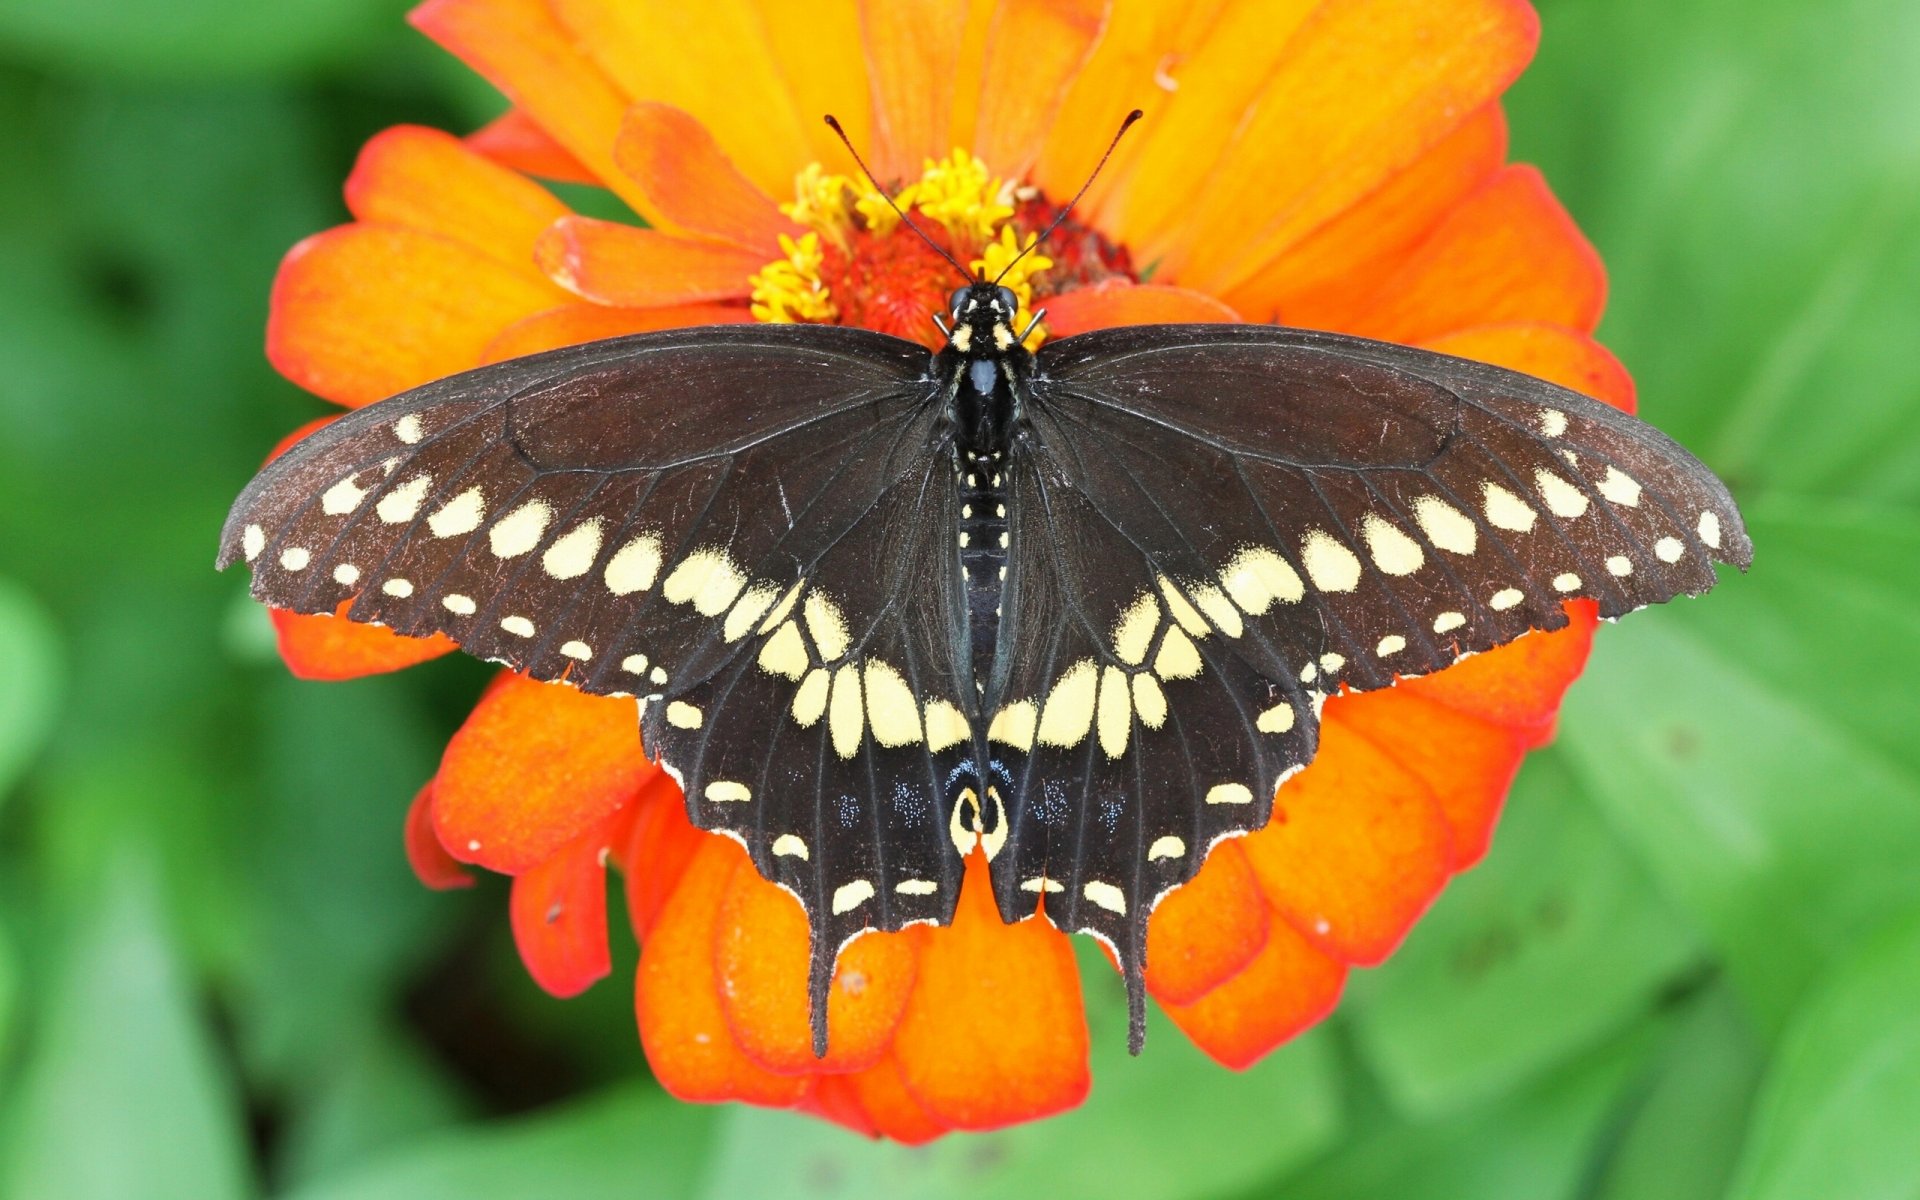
pixel 983 550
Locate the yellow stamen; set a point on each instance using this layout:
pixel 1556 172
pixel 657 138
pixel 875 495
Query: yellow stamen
pixel 789 289
pixel 958 192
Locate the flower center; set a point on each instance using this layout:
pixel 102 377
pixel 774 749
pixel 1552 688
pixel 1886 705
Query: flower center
pixel 857 265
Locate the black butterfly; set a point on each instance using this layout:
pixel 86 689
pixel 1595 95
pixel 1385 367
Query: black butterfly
pixel 1079 608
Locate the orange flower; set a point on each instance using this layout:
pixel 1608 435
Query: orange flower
pixel 1336 164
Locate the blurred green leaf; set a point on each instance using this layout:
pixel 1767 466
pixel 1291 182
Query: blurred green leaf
pixel 1684 1132
pixel 1531 1144
pixel 1751 793
pixel 382 1094
pixel 1748 170
pixel 626 1144
pixel 123 1095
pixel 1837 1113
pixel 1168 1125
pixel 188 38
pixel 29 681
pixel 1555 940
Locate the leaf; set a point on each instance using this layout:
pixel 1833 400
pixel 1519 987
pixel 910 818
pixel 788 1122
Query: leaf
pixel 1532 1144
pixel 1758 798
pixel 123 1094
pixel 30 677
pixel 1682 1137
pixel 616 1146
pixel 1552 943
pixel 187 38
pixel 1838 1109
pixel 1749 173
pixel 1168 1125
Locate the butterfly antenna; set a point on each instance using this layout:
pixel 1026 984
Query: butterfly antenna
pixel 1062 215
pixel 833 123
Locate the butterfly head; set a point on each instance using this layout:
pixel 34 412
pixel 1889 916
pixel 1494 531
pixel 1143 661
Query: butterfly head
pixel 981 316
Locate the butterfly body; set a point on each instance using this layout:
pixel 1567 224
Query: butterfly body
pixel 1075 610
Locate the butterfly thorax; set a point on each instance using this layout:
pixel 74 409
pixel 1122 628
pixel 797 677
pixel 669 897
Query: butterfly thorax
pixel 985 360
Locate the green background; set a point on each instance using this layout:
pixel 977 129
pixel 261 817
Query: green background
pixel 1689 969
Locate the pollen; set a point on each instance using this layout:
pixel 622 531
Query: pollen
pixel 855 265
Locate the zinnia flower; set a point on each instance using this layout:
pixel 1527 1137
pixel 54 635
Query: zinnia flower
pixel 1337 164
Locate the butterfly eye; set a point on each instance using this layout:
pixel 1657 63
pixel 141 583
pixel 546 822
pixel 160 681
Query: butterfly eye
pixel 954 301
pixel 1009 303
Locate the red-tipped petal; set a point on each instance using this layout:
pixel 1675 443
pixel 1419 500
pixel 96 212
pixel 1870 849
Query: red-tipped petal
pixel 995 1032
pixel 890 1105
pixel 560 917
pixel 660 845
pixel 535 766
pixel 431 863
pixel 583 322
pixel 1287 988
pixel 1553 352
pixel 610 263
pixel 514 140
pixel 323 646
pixel 1356 850
pixel 677 997
pixel 1520 684
pixel 1509 252
pixel 1207 931
pixel 423 179
pixel 362 312
pixel 1117 302
pixel 760 954
pixel 694 185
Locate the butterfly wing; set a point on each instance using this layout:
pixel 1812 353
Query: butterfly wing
pixel 749 528
pixel 1216 527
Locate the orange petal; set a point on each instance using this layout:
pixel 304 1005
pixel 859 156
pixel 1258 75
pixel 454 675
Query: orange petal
pixel 1356 850
pixel 693 184
pixel 913 60
pixel 535 766
pixel 584 322
pixel 760 954
pixel 890 1105
pixel 431 863
pixel 611 263
pixel 1364 90
pixel 423 179
pixel 817 50
pixel 1336 265
pixel 969 63
pixel 995 1032
pixel 1509 253
pixel 1034 47
pixel 297 436
pixel 677 994
pixel 1553 352
pixel 559 913
pixel 519 47
pixel 833 1098
pixel 1129 68
pixel 1466 762
pixel 1206 931
pixel 330 647
pixel 1286 989
pixel 514 140
pixel 364 311
pixel 1520 684
pixel 1117 302
pixel 710 59
pixel 660 845
pixel 1214 76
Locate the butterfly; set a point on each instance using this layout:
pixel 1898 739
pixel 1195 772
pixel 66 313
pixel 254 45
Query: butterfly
pixel 1078 608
